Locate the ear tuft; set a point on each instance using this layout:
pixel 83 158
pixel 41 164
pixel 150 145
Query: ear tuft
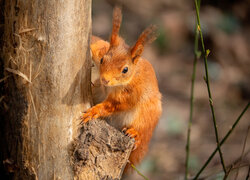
pixel 117 19
pixel 146 37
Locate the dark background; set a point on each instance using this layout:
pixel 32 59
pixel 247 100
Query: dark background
pixel 226 29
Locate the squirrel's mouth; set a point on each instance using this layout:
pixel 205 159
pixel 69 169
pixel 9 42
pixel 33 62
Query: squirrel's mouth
pixel 110 84
pixel 107 83
pixel 104 81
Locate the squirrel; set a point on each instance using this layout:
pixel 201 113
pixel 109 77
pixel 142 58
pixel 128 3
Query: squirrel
pixel 128 97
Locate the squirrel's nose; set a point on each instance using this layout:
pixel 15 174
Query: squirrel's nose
pixel 104 81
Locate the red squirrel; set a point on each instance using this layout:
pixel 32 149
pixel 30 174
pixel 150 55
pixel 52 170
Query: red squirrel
pixel 130 97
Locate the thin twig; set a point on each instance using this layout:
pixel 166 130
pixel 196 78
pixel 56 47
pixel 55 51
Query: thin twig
pixel 228 171
pixel 248 173
pixel 196 57
pixel 233 166
pixel 205 54
pixel 241 159
pixel 216 169
pixel 241 166
pixel 242 152
pixel 222 142
pixel 133 166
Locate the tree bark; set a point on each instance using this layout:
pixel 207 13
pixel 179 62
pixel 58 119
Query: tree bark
pixel 101 152
pixel 47 67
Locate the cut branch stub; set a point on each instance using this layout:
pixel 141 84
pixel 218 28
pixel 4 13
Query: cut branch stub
pixel 101 151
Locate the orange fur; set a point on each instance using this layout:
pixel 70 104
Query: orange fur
pixel 117 19
pixel 133 100
pixel 147 36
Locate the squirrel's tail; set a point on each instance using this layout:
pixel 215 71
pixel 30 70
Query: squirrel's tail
pixel 136 157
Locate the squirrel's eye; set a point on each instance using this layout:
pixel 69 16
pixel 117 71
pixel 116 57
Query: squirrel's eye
pixel 125 70
pixel 101 61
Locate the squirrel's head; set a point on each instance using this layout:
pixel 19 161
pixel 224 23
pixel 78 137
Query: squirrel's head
pixel 118 65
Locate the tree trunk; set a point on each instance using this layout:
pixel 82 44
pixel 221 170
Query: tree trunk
pixel 47 70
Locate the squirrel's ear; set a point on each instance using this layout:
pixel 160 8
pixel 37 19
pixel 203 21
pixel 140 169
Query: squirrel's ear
pixel 147 36
pixel 117 18
pixel 98 50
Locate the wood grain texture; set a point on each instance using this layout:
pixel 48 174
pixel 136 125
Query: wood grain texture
pixel 101 151
pixel 47 42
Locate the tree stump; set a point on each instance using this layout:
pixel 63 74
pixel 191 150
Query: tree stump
pixel 101 151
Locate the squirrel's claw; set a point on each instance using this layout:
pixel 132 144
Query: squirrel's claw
pixel 137 143
pixel 89 114
pixel 86 119
pixel 124 130
pixel 132 133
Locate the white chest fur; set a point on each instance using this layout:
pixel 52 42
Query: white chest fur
pixel 120 120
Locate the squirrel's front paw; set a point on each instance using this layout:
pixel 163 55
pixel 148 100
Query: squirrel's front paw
pixel 132 133
pixel 91 113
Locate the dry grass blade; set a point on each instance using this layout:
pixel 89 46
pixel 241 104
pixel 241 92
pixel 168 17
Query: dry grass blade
pixel 19 73
pixel 3 79
pixel 33 103
pixel 1 98
pixel 26 30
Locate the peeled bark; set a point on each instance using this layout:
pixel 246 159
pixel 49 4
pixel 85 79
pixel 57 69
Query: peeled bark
pixel 47 69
